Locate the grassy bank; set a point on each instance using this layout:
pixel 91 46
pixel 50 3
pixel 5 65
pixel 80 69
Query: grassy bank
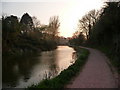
pixel 65 76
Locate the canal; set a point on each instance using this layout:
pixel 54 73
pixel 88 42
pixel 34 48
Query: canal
pixel 30 69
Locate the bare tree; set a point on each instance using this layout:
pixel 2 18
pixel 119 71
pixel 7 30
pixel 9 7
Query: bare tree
pixel 87 21
pixel 54 25
pixel 36 22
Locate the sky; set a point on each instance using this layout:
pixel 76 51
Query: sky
pixel 69 11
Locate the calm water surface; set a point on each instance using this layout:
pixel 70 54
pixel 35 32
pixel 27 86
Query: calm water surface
pixel 31 69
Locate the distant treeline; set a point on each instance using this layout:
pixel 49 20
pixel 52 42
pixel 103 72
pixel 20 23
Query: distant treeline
pixel 28 35
pixel 101 29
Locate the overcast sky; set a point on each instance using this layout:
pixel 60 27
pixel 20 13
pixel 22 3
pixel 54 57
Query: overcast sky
pixel 69 11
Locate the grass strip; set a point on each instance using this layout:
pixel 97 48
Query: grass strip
pixel 65 76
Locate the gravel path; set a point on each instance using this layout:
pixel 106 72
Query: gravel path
pixel 95 74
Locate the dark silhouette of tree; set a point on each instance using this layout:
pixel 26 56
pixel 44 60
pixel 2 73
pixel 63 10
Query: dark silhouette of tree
pixel 26 23
pixel 78 38
pixel 81 38
pixel 10 31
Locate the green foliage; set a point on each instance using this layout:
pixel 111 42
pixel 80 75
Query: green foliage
pixel 65 76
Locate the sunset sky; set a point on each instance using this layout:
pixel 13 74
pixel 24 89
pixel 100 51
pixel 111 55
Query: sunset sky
pixel 69 11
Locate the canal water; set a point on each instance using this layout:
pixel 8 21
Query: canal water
pixel 30 69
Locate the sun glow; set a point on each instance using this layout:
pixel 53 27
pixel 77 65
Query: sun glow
pixel 74 11
pixel 69 11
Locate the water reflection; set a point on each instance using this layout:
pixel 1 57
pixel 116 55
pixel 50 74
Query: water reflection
pixel 13 68
pixel 26 70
